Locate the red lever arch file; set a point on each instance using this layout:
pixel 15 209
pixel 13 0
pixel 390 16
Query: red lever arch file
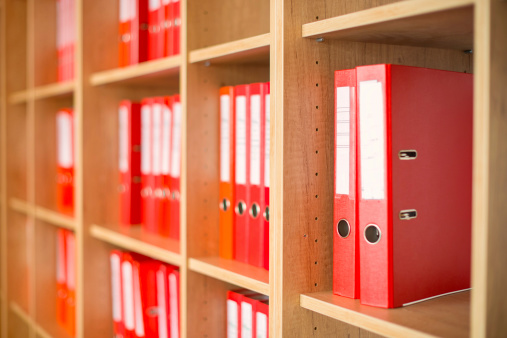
pixel 165 225
pixel 242 172
pixel 129 123
pixel 265 208
pixel 155 21
pixel 345 235
pixel 61 278
pixel 226 183
pixel 156 166
pixel 70 259
pixel 415 179
pixel 176 26
pixel 174 185
pixel 116 258
pixel 147 178
pixel 65 170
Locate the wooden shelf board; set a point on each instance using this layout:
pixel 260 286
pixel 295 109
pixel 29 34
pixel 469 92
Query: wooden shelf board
pixel 55 218
pixel 430 23
pixel 447 316
pixel 137 73
pixel 19 97
pixel 249 50
pixel 39 331
pixel 19 206
pixel 135 239
pixel 230 271
pixel 54 90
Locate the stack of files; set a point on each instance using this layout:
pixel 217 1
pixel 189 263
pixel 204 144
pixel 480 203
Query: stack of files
pixel 148 30
pixel 65 38
pixel 244 173
pixel 66 280
pixel 403 178
pixel 247 314
pixel 65 161
pixel 145 296
pixel 160 131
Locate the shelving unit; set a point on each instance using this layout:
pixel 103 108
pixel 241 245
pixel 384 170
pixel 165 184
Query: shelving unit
pixel 294 44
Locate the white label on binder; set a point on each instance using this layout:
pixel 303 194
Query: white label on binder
pixel 162 314
pixel 157 143
pixel 173 305
pixel 166 139
pixel 267 146
pixel 342 154
pixel 128 295
pixel 138 306
pixel 246 320
pixel 165 2
pixel 145 139
pixel 64 127
pixel 154 5
pixel 124 10
pixel 176 141
pixel 372 140
pixel 255 139
pixel 60 258
pixel 116 287
pixel 232 319
pixel 240 140
pixel 71 260
pixel 124 135
pixel 225 138
pixel 261 325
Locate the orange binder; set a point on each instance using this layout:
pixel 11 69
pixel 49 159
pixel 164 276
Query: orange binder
pixel 226 183
pixel 70 308
pixel 65 170
pixel 61 278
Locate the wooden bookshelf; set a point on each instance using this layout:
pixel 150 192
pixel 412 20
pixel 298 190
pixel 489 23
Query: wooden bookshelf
pixel 296 45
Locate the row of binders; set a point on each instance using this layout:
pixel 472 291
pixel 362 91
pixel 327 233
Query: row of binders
pixel 66 280
pixel 244 173
pixel 145 297
pixel 403 183
pixel 65 38
pixel 148 30
pixel 150 164
pixel 65 161
pixel 247 314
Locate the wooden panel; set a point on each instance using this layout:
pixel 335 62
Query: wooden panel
pixel 448 315
pixel 16 152
pixel 16 42
pixel 44 39
pixel 489 308
pixel 19 323
pixel 135 239
pixel 249 50
pixel 303 144
pixel 429 23
pixel 219 21
pixel 233 272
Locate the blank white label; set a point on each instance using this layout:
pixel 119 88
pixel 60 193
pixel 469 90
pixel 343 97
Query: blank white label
pixel 225 138
pixel 124 10
pixel 232 319
pixel 161 302
pixel 176 141
pixel 255 139
pixel 342 151
pixel 145 139
pixel 267 137
pixel 173 305
pixel 157 142
pixel 240 140
pixel 154 5
pixel 166 2
pixel 124 136
pixel 128 295
pixel 261 325
pixel 166 140
pixel 246 320
pixel 64 128
pixel 138 306
pixel 60 258
pixel 116 287
pixel 71 260
pixel 372 140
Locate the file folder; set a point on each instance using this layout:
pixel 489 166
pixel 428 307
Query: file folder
pixel 156 146
pixel 168 27
pixel 147 177
pixel 176 27
pixel 415 180
pixel 174 185
pixel 154 298
pixel 127 275
pixel 165 228
pixel 70 307
pixel 234 299
pixel 129 123
pixel 65 158
pixel 174 302
pixel 115 258
pixel 265 208
pixel 262 319
pixel 155 21
pixel 61 278
pixel 226 183
pixel 345 232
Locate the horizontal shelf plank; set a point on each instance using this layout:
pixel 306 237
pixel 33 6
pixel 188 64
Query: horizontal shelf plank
pixel 230 271
pixel 55 218
pixel 246 50
pixel 39 331
pixel 58 89
pixel 20 206
pixel 430 23
pixel 144 70
pixel 446 316
pixel 19 97
pixel 134 238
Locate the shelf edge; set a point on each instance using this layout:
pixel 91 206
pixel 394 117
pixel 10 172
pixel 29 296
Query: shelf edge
pixel 53 90
pixel 20 206
pixel 55 218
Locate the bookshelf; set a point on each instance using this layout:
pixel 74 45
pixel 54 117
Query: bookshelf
pixel 296 45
